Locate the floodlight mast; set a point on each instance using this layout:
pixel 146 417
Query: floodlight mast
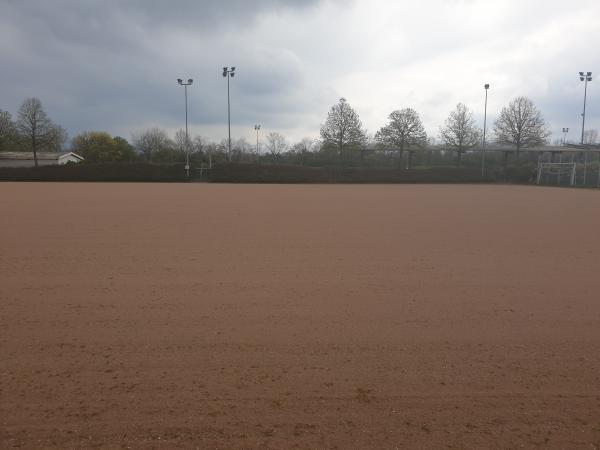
pixel 228 73
pixel 257 128
pixel 187 148
pixel 565 131
pixel 486 87
pixel 585 78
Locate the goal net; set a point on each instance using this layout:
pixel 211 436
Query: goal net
pixel 556 173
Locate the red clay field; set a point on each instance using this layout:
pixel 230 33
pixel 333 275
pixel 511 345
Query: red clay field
pixel 299 316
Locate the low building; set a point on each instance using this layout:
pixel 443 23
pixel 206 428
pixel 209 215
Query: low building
pixel 25 159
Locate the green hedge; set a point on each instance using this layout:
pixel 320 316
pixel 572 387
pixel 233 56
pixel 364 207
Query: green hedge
pixel 114 171
pixel 260 173
pixel 267 173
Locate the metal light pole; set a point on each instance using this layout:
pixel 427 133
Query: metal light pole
pixel 228 73
pixel 565 131
pixel 598 182
pixel 257 128
pixel 486 87
pixel 187 147
pixel 564 143
pixel 585 77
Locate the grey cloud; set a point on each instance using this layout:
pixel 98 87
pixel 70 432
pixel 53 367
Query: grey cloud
pixel 112 65
pixel 206 13
pixel 110 21
pixel 105 64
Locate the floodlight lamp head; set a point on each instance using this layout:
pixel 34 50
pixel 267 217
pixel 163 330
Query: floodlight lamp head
pixel 179 80
pixel 589 74
pixel 581 78
pixel 589 78
pixel 190 81
pixel 233 70
pixel 232 74
pixel 580 74
pixel 224 74
pixel 486 86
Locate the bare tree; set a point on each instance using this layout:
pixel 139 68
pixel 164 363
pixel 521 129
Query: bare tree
pixel 403 131
pixel 368 145
pixel 211 149
pixel 521 124
pixel 276 144
pixel 459 131
pixel 198 147
pixel 590 136
pixel 182 142
pixel 8 131
pixel 199 143
pixel 243 145
pixel 240 148
pixel 152 141
pixel 223 149
pixel 36 131
pixel 58 139
pixel 303 148
pixel 6 123
pixel 343 128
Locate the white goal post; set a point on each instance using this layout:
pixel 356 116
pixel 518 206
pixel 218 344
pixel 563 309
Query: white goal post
pixel 557 170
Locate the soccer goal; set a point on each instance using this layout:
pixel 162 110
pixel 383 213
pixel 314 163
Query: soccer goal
pixel 551 173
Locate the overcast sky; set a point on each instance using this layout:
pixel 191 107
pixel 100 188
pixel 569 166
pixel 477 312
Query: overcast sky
pixel 112 65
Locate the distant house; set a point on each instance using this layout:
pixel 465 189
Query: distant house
pixel 25 159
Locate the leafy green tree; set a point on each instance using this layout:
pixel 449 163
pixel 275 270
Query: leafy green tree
pixel 126 150
pixel 343 129
pixel 96 146
pixel 459 131
pixel 99 146
pixel 404 130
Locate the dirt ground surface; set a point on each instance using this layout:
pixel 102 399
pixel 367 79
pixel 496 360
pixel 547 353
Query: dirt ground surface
pixel 299 316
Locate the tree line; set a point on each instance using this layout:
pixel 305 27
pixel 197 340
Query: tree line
pixel 33 131
pixel 342 136
pixel 519 124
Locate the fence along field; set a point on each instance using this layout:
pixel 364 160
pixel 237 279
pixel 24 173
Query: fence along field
pixel 309 316
pixel 430 165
